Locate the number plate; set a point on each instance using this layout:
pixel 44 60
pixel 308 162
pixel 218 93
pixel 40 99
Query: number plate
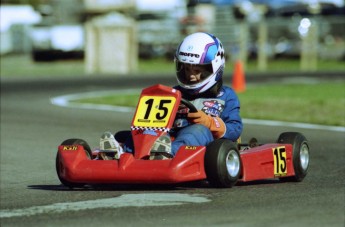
pixel 280 165
pixel 154 111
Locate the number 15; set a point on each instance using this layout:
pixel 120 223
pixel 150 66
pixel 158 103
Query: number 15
pixel 279 154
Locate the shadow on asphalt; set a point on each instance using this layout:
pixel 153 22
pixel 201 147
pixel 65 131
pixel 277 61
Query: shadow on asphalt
pixel 151 187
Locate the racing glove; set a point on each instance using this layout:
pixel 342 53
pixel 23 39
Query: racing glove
pixel 215 124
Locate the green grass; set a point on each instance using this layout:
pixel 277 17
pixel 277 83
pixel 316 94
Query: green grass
pixel 161 65
pixel 22 66
pixel 322 103
pixel 128 100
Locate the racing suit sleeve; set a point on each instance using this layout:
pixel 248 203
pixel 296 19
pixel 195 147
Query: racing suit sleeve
pixel 231 116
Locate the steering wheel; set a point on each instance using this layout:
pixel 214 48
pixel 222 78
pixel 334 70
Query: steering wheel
pixel 189 105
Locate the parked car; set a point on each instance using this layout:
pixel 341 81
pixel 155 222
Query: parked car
pixel 158 34
pixel 51 42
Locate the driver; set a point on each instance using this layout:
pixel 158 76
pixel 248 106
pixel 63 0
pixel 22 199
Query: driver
pixel 200 62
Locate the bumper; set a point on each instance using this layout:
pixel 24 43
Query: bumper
pixel 76 167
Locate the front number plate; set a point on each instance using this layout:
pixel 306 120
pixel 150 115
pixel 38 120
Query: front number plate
pixel 154 111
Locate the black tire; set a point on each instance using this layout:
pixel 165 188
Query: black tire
pixel 222 163
pixel 300 154
pixel 88 152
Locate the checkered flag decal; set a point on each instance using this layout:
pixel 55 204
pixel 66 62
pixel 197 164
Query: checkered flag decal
pixel 150 128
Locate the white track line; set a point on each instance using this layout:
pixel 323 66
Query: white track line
pixel 294 125
pixel 65 101
pixel 127 200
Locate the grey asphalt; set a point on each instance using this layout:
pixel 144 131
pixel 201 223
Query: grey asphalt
pixel 32 128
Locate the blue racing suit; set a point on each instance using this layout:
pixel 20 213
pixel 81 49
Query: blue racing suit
pixel 226 106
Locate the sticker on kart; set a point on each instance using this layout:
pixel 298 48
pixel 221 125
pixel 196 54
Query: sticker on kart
pixel 154 111
pixel 70 148
pixel 279 157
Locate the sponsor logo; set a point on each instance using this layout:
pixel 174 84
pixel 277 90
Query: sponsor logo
pixel 213 107
pixel 145 132
pixel 189 54
pixel 216 122
pixel 220 94
pixel 150 132
pixel 190 147
pixel 70 148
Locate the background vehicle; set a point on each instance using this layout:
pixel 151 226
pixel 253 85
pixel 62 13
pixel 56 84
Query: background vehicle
pixel 51 42
pixel 159 34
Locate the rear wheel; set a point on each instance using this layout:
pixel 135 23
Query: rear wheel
pixel 222 163
pixel 59 166
pixel 300 154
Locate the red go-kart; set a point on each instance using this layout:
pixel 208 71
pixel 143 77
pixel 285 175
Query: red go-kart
pixel 222 163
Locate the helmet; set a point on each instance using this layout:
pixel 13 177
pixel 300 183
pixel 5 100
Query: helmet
pixel 204 52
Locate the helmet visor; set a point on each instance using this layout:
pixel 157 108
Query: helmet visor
pixel 190 74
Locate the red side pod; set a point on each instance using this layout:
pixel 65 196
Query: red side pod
pixel 266 162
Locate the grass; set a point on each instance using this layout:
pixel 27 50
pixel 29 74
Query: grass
pixel 322 103
pixel 162 65
pixel 22 66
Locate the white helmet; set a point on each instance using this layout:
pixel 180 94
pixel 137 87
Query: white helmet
pixel 202 50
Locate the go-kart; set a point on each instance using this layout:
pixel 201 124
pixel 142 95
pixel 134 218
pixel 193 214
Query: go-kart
pixel 222 163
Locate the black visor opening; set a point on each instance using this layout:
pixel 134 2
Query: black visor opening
pixel 183 71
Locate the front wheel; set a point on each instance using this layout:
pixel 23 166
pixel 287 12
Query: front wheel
pixel 222 163
pixel 60 168
pixel 300 154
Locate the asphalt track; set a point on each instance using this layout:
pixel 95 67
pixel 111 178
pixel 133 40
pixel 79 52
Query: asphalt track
pixel 31 194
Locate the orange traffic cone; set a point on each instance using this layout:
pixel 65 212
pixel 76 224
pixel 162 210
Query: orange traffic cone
pixel 238 79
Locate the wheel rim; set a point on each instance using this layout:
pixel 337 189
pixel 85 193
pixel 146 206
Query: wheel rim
pixel 233 163
pixel 304 156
